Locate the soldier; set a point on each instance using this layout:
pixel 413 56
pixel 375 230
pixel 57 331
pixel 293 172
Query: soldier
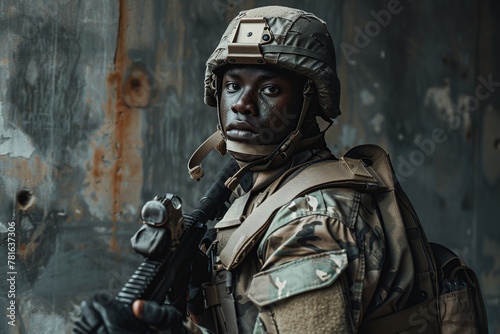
pixel 317 265
pixel 324 262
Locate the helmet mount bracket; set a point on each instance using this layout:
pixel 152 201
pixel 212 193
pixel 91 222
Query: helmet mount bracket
pixel 246 39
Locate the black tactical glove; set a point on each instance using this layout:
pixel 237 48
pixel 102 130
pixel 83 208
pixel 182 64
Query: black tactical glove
pixel 117 318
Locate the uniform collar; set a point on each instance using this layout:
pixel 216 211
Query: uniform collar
pixel 257 181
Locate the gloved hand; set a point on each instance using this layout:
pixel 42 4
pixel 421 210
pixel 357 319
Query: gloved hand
pixel 145 317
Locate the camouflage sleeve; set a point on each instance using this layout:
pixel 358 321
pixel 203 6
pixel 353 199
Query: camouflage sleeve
pixel 322 252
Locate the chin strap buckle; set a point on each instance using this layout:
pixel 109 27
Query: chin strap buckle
pixel 196 173
pixel 214 141
pixel 290 145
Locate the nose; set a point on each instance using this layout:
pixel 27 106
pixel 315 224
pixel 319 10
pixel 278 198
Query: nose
pixel 246 104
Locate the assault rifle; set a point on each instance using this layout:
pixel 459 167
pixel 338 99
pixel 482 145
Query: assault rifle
pixel 170 242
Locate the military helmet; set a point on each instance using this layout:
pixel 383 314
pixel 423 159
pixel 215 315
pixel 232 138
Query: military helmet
pixel 290 39
pixel 286 37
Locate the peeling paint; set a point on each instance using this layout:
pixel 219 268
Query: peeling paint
pixel 28 173
pixel 38 319
pixel 13 142
pixel 367 98
pixel 377 122
pixel 440 98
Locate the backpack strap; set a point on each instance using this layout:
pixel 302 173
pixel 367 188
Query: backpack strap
pixel 395 206
pixel 346 172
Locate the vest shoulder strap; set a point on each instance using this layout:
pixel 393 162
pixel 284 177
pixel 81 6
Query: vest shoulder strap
pixel 346 172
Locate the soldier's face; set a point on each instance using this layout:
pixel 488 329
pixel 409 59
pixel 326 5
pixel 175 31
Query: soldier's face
pixel 259 105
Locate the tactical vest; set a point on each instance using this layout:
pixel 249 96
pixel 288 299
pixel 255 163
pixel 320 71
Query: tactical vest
pixel 452 300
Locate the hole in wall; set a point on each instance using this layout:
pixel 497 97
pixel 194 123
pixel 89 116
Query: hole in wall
pixel 25 199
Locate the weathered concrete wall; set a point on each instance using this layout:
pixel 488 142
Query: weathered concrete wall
pixel 101 106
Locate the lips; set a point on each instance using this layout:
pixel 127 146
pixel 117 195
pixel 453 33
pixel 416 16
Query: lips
pixel 241 131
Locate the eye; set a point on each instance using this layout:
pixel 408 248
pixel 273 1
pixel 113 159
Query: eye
pixel 232 87
pixel 271 90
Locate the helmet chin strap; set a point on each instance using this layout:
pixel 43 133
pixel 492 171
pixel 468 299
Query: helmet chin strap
pixel 249 149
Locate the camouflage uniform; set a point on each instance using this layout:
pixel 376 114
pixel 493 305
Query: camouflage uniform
pixel 318 267
pixel 326 261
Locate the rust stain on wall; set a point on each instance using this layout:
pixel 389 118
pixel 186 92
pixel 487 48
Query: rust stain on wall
pixel 116 173
pixel 98 160
pixel 127 131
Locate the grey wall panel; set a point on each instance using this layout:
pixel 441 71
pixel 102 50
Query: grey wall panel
pixel 101 105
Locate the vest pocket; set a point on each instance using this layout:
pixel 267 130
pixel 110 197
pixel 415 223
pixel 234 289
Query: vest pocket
pixel 295 277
